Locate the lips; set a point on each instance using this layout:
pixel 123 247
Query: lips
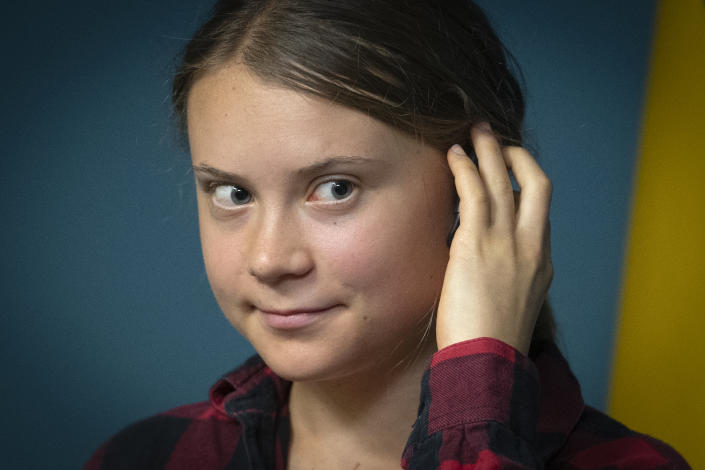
pixel 296 311
pixel 292 319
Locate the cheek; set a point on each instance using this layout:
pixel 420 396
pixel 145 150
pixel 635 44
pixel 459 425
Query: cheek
pixel 224 263
pixel 390 263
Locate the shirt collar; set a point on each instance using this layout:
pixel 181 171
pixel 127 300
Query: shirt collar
pixel 253 391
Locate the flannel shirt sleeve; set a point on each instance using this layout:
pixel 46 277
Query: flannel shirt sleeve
pixel 479 409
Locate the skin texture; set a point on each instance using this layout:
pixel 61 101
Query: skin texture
pixel 375 258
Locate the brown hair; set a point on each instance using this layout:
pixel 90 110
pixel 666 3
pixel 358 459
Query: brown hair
pixel 430 68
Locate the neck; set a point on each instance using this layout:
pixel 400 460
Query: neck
pixel 363 417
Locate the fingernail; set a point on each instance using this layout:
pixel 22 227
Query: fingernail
pixel 484 126
pixel 457 149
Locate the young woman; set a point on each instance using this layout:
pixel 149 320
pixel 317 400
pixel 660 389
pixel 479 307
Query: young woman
pixel 330 145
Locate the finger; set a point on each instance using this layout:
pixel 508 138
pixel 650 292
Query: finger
pixel 494 174
pixel 473 207
pixel 536 189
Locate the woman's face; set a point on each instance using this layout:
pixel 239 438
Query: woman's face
pixel 323 229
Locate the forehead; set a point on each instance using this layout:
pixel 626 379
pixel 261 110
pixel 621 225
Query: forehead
pixel 232 113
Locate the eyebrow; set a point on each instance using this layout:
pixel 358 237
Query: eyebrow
pixel 318 167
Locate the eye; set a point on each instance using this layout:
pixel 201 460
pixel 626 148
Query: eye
pixel 228 196
pixel 334 190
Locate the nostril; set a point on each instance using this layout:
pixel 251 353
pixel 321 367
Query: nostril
pixel 276 246
pixel 272 267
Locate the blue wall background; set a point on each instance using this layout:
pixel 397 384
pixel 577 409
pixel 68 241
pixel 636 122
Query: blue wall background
pixel 106 311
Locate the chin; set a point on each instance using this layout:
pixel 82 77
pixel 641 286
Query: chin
pixel 310 362
pixel 300 368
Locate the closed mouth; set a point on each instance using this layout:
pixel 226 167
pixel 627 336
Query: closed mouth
pixel 296 311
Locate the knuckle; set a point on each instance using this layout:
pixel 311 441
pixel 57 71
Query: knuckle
pixel 505 189
pixel 477 196
pixel 544 184
pixel 535 253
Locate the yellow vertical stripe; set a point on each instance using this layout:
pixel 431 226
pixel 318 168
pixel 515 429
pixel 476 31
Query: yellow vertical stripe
pixel 658 383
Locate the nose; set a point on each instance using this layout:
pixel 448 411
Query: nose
pixel 278 248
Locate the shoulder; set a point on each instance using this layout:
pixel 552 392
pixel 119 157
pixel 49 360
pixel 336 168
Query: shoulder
pixel 202 435
pixel 195 433
pixel 599 441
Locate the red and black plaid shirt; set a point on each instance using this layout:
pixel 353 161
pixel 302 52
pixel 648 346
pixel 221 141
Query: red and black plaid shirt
pixel 483 405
